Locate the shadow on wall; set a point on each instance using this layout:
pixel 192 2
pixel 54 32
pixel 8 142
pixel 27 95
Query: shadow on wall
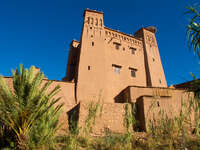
pixel 73 117
pixel 123 96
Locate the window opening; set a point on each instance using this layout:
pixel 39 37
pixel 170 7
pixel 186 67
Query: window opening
pixel 160 81
pixel 133 50
pixel 96 22
pixel 158 103
pixel 133 72
pixel 88 20
pixel 101 22
pixel 117 45
pixel 92 20
pixel 88 67
pixel 117 69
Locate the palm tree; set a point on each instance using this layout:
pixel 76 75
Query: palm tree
pixel 193 29
pixel 29 110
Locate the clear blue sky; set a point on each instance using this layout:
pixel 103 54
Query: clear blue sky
pixel 38 32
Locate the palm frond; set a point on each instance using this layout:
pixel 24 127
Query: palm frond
pixel 30 108
pixel 193 29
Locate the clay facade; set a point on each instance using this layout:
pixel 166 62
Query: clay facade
pixel 106 61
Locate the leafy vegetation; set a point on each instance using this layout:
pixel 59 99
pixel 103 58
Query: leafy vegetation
pixel 28 115
pixel 193 28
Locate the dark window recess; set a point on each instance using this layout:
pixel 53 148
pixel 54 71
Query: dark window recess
pixel 96 22
pixel 158 103
pixel 153 59
pixel 133 50
pixel 133 72
pixel 92 20
pixel 91 35
pixel 92 43
pixel 123 49
pixel 117 45
pixel 160 81
pixel 90 27
pixel 88 20
pixel 89 67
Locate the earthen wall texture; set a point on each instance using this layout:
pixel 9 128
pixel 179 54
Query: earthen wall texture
pixel 154 108
pixel 109 117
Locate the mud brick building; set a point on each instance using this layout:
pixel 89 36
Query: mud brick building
pixel 116 69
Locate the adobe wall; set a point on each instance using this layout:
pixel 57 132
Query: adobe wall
pixel 132 93
pixel 151 108
pixel 67 98
pixel 110 117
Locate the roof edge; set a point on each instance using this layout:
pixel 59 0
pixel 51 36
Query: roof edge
pixel 94 11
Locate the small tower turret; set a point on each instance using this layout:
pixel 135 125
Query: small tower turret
pixel 154 71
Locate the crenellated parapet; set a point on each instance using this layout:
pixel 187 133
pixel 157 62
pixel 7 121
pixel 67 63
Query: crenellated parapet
pixel 123 37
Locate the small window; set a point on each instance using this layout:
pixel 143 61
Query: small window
pixel 158 103
pixel 88 67
pixel 92 43
pixel 101 22
pixel 96 22
pixel 117 45
pixel 88 20
pixel 133 50
pixel 92 20
pixel 123 48
pixel 117 69
pixel 133 72
pixel 160 81
pixel 153 59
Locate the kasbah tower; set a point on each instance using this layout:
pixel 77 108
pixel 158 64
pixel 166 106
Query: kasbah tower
pixel 106 61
